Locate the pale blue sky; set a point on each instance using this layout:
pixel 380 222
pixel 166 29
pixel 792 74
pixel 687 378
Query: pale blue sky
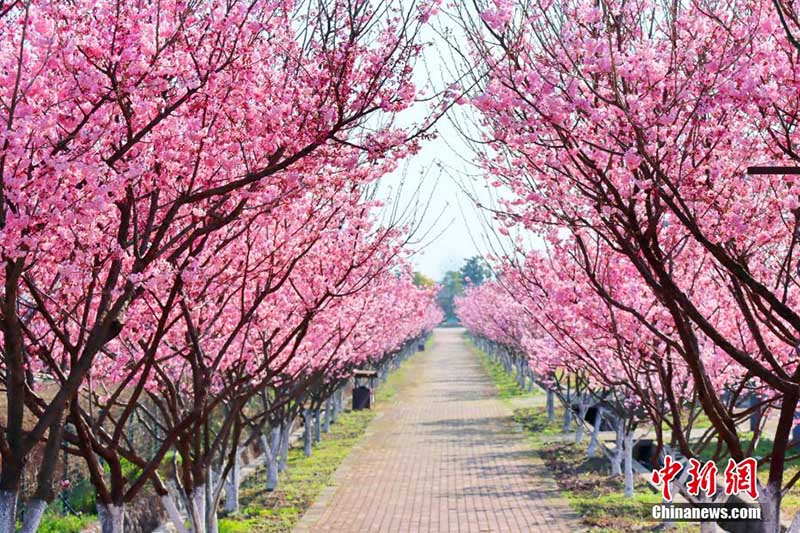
pixel 455 228
pixel 443 172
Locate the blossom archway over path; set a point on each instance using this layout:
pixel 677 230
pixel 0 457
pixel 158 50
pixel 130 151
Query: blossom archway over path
pixel 189 242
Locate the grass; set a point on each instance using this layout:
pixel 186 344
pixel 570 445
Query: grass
pixel 54 522
pixel 507 387
pixel 534 421
pixel 300 484
pixel 306 477
pixel 584 482
pixel 399 379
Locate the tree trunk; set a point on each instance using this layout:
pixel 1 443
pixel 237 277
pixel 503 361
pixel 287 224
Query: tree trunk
pixel 551 406
pixel 583 406
pixel 283 457
pixel 33 515
pixel 794 527
pixel 326 427
pixel 317 426
pixel 112 517
pixel 174 515
pixel 8 510
pixel 567 417
pixel 755 417
pixel 213 491
pixel 598 420
pixel 616 455
pixel 271 453
pixel 232 483
pixel 212 521
pixel 197 509
pixel 628 446
pixel 666 525
pixel 769 499
pixel 307 432
pixel 334 406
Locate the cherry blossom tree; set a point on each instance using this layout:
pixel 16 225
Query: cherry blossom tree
pixel 634 124
pixel 132 134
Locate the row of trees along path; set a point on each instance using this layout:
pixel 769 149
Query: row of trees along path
pixel 651 266
pixel 191 255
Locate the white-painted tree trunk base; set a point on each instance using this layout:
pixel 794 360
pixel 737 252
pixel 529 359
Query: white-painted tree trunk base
pixel 794 527
pixel 271 451
pixel 212 522
pixel 769 501
pixel 551 406
pixel 213 490
pixel 112 517
pixel 582 408
pixel 334 407
pixel 283 457
pixel 33 516
pixel 197 511
pixel 598 420
pixel 326 426
pixel 616 456
pixel 8 510
pixel 307 433
pixel 616 464
pixel 232 484
pixel 174 515
pixel 628 464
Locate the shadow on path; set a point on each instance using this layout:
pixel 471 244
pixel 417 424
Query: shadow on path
pixel 444 457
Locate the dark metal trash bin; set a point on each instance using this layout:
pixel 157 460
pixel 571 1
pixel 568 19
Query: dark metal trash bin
pixel 361 398
pixel 420 347
pixel 363 394
pixel 643 452
pixel 591 417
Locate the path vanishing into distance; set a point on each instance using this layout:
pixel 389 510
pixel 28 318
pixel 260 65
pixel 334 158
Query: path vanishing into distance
pixel 445 456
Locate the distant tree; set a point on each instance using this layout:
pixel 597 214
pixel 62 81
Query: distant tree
pixel 475 271
pixel 452 285
pixel 421 280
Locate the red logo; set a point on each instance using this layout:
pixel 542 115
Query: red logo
pixel 665 475
pixel 702 477
pixel 741 477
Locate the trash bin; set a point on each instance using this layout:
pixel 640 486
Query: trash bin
pixel 363 389
pixel 361 398
pixel 421 347
pixel 643 452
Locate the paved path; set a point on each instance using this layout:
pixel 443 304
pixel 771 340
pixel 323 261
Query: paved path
pixel 445 457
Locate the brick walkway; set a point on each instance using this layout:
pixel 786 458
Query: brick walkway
pixel 445 457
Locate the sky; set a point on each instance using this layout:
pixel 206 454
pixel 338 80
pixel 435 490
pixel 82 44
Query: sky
pixel 443 174
pixel 452 228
